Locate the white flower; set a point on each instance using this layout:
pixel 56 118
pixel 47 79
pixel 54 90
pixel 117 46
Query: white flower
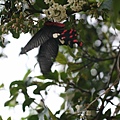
pixel 49 1
pixel 70 1
pixel 76 5
pixel 56 12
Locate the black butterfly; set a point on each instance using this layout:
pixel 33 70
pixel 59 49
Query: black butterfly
pixel 49 37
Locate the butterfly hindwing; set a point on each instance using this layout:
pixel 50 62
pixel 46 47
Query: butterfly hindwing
pixel 47 54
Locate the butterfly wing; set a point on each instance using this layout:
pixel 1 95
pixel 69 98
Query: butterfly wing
pixel 47 54
pixel 42 36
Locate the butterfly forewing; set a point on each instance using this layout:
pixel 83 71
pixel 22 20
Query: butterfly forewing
pixel 41 37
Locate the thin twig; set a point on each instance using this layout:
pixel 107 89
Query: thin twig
pixel 82 90
pixel 115 64
pixel 83 67
pixel 118 63
pixel 106 91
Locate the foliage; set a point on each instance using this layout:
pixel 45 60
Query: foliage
pixel 91 73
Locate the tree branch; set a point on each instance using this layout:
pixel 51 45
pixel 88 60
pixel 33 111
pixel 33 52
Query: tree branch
pixel 82 90
pixel 106 91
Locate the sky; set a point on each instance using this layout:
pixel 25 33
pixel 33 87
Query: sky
pixel 14 68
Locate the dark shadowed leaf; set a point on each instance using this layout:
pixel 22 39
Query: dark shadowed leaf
pixel 117 117
pixel 43 86
pixel 15 33
pixel 27 102
pixel 63 76
pixel 52 75
pixel 107 4
pixel 108 113
pixel 116 15
pixel 15 86
pixel 40 77
pixel 68 116
pixel 40 4
pixel 33 117
pixel 1 44
pixel 61 1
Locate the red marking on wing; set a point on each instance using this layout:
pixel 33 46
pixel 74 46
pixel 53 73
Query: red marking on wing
pixel 63 32
pixel 75 41
pixel 71 31
pixel 63 38
pixel 81 44
pixel 71 36
pixel 54 24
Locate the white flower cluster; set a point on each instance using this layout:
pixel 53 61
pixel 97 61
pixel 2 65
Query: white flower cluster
pixel 49 1
pixel 56 12
pixel 76 5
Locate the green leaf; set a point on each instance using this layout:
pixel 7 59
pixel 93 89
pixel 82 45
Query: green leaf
pixel 15 86
pixel 9 118
pixel 117 116
pixel 43 87
pixel 63 116
pixel 40 4
pixel 33 117
pixel 70 51
pixel 61 58
pixel 40 77
pixel 16 34
pixel 63 106
pixel 52 76
pixel 74 66
pixel 1 44
pixel 116 11
pixel 61 1
pixel 26 75
pixel 63 76
pixel 2 85
pixel 67 116
pixel 1 118
pixel 107 4
pixel 27 102
pixel 12 102
pixel 117 26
